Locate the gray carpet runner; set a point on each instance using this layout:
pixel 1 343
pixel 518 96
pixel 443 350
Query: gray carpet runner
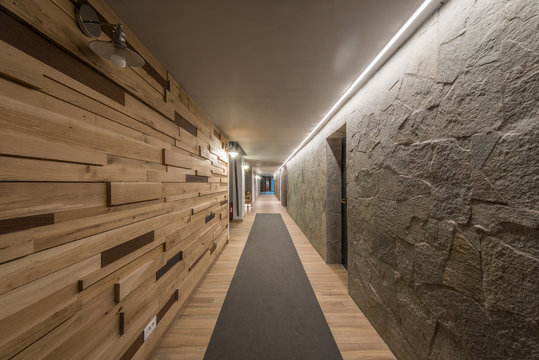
pixel 270 311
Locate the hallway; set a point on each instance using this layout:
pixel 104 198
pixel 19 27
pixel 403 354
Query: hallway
pixel 190 334
pixel 376 162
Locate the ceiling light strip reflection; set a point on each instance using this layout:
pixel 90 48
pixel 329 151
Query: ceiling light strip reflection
pixel 426 8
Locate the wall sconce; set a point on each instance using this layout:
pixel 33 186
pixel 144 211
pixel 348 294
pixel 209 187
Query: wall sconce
pixel 115 50
pixel 232 148
pixel 245 167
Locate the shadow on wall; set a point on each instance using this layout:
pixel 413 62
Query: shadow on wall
pixel 443 157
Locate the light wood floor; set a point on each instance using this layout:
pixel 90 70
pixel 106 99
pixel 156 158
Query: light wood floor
pixel 191 332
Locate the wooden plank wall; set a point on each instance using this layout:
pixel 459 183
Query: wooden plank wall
pixel 113 188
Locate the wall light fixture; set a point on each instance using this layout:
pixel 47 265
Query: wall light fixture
pixel 235 149
pixel 115 50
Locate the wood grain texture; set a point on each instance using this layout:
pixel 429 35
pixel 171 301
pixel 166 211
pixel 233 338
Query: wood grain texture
pixel 190 333
pixel 20 144
pixel 133 348
pixel 170 263
pixel 111 255
pixel 94 194
pixel 28 40
pixel 173 298
pixel 184 124
pixel 120 193
pixel 196 178
pixel 25 222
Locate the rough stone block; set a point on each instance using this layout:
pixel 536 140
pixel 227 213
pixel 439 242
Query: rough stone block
pixel 512 168
pixel 474 104
pixel 483 190
pixel 509 279
pixel 482 145
pixel 408 188
pixel 386 184
pixel 404 257
pixel 417 323
pixel 520 66
pixel 463 270
pixel 447 346
pixel 452 59
pixel 428 264
pixel 465 318
pixel 383 248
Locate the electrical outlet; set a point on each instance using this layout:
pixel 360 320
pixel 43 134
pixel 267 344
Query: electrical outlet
pixel 150 327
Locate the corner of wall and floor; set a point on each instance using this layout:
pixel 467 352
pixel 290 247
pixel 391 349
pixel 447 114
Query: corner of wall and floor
pixel 442 163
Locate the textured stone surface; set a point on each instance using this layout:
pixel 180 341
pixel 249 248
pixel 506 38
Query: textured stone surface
pixel 510 277
pixel 463 271
pixel 306 203
pixel 333 203
pixel 417 323
pixel 512 170
pixel 446 346
pixel 443 187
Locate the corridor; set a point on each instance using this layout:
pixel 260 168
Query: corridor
pixel 269 180
pixel 190 334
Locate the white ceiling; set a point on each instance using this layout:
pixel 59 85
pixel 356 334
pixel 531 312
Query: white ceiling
pixel 265 71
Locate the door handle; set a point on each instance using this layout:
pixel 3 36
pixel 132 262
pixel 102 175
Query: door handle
pixel 344 201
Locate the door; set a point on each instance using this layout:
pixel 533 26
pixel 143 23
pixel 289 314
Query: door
pixel 344 220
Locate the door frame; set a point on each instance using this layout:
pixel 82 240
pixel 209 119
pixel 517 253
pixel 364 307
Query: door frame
pixel 335 228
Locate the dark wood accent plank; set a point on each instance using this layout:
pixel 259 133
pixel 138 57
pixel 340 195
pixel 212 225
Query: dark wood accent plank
pixel 19 35
pixel 152 72
pixel 111 255
pixel 170 263
pixel 184 124
pixel 133 348
pixel 173 298
pixel 26 222
pixel 210 217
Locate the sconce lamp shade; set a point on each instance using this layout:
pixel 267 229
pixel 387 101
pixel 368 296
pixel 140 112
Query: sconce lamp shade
pixel 118 55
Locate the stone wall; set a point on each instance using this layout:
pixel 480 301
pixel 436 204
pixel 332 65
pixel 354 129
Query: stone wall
pixel 283 185
pixel 306 197
pixel 442 185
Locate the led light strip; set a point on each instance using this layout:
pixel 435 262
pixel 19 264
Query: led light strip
pixel 426 8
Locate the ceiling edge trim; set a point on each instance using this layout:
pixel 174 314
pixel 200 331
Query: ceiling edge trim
pixel 427 8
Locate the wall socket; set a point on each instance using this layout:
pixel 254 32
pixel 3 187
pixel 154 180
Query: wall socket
pixel 150 327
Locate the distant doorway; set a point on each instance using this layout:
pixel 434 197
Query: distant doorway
pixel 267 185
pixel 336 207
pixel 343 200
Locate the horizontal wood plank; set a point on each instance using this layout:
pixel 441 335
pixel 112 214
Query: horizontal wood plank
pixel 111 255
pixel 120 193
pixel 101 199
